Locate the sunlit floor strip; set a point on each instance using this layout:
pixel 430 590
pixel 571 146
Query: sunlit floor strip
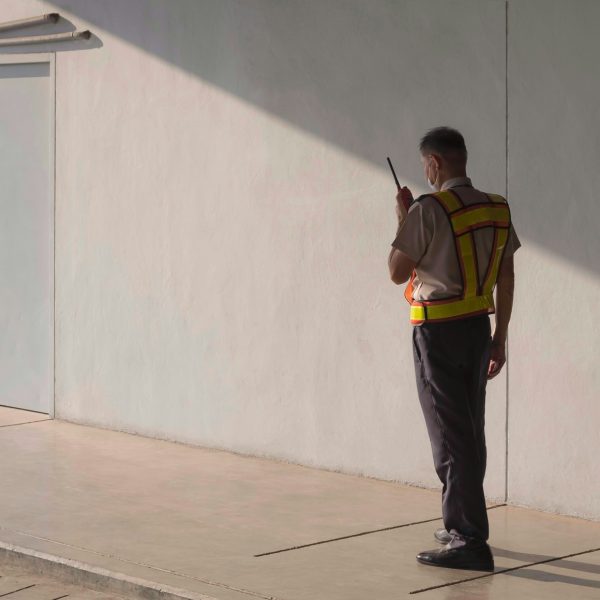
pixel 95 570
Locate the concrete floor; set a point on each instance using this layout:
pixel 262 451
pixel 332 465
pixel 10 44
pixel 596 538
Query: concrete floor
pixel 233 527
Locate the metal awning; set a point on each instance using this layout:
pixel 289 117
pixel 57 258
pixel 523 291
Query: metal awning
pixel 30 22
pixel 39 39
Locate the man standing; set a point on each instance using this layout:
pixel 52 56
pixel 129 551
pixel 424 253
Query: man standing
pixel 456 245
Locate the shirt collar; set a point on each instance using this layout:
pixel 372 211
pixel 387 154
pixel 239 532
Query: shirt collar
pixel 456 181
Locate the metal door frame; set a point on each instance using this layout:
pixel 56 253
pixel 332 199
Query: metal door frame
pixel 50 58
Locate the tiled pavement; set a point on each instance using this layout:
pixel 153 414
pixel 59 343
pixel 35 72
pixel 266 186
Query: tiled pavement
pixel 219 525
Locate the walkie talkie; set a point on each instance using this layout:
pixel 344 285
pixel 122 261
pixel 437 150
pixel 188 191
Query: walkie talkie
pixel 405 202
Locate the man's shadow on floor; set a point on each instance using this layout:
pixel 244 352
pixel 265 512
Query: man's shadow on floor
pixel 538 575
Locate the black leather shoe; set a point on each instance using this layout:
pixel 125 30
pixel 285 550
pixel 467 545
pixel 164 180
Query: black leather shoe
pixel 474 556
pixel 442 536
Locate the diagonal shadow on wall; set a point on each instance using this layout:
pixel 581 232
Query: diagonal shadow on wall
pixel 349 72
pixel 318 65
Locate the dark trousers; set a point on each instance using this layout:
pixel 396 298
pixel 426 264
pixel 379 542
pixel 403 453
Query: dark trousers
pixel 451 362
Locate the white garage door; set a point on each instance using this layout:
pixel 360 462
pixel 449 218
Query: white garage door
pixel 26 235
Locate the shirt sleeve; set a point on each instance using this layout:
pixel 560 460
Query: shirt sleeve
pixel 513 243
pixel 415 233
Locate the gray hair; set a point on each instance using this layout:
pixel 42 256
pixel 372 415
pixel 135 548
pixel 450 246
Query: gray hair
pixel 447 142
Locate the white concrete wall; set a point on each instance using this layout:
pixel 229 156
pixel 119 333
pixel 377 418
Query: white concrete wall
pixel 554 152
pixel 224 215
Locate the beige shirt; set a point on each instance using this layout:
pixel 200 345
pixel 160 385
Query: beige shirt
pixel 426 237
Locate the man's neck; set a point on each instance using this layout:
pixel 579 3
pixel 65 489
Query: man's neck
pixel 452 176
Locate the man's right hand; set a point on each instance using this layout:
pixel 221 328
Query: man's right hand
pixel 497 359
pixel 404 199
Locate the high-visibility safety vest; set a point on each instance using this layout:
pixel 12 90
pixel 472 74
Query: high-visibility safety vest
pixel 476 296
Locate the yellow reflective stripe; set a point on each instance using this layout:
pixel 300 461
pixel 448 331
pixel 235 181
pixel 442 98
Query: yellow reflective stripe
pixel 417 313
pixel 492 214
pixel 453 308
pixel 448 200
pixel 502 238
pixel 469 265
pixel 497 198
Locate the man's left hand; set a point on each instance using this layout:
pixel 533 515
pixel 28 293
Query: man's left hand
pixel 497 359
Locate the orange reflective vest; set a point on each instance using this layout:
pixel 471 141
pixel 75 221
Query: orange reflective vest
pixel 476 296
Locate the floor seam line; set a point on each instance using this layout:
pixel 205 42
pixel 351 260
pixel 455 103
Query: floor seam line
pixel 345 537
pixel 26 423
pixel 19 590
pixel 526 565
pixel 27 410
